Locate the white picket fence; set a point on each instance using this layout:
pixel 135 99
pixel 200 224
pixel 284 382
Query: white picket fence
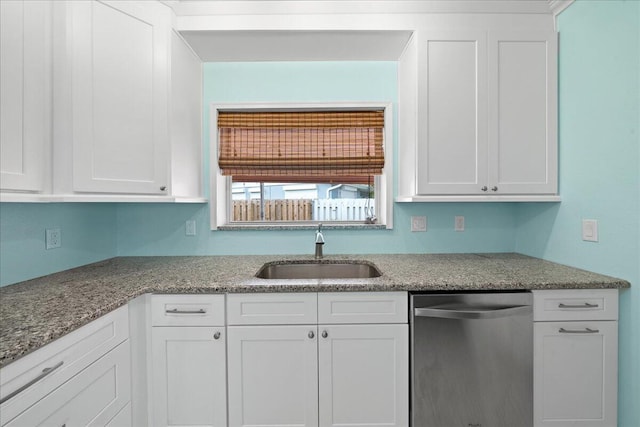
pixel 342 209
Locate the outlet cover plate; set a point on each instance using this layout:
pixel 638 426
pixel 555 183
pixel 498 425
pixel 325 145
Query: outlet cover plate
pixel 418 223
pixel 53 238
pixel 459 223
pixel 190 228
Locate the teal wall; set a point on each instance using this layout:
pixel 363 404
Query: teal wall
pixel 88 235
pixel 159 229
pixel 599 116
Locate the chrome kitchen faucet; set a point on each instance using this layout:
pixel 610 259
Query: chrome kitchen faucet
pixel 319 242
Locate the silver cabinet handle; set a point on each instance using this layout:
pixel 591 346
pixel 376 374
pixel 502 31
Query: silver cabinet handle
pixel 311 334
pixel 176 311
pixel 216 335
pixel 580 331
pixel 494 188
pixel 484 188
pixel 325 334
pixel 44 373
pixel 585 305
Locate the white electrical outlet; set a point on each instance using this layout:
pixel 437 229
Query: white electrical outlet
pixel 459 223
pixel 53 238
pixel 418 223
pixel 590 230
pixel 190 228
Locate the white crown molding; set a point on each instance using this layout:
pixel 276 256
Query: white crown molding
pixel 296 7
pixel 557 6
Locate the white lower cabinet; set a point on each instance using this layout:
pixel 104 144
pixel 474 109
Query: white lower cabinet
pixel 350 374
pixel 189 381
pixel 273 375
pixel 83 378
pixel 575 358
pixel 93 397
pixel 363 375
pixel 188 361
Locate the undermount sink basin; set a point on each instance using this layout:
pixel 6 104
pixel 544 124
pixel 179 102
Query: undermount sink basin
pixel 319 270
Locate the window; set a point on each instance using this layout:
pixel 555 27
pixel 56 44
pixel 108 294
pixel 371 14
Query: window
pixel 302 165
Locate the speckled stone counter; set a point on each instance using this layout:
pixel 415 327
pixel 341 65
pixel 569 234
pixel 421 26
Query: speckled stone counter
pixel 35 312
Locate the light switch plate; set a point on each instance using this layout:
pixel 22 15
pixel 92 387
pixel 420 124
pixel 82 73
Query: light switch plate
pixel 590 230
pixel 418 223
pixel 459 223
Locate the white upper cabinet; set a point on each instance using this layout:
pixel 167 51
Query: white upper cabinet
pixel 119 86
pixel 452 134
pixel 25 94
pixel 522 112
pixel 478 117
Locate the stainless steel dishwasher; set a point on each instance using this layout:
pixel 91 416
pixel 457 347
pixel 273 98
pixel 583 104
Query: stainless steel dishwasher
pixel 472 360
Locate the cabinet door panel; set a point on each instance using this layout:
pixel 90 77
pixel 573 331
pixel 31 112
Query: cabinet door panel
pixel 273 376
pixel 25 73
pixel 364 372
pixel 451 114
pixel 189 376
pixel 93 397
pixel 575 373
pixel 522 105
pixel 120 94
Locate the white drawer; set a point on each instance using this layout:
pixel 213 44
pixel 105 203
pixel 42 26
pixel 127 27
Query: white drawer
pixel 93 397
pixel 187 310
pixel 363 307
pixel 575 304
pixel 272 309
pixel 63 359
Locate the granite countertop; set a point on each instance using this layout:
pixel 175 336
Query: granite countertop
pixel 36 312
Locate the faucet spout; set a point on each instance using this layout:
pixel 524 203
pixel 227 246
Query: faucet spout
pixel 319 242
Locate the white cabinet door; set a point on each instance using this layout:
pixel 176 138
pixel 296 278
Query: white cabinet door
pixel 452 113
pixel 273 375
pixel 363 375
pixel 93 397
pixel 189 376
pixel 25 93
pixel 522 112
pixel 120 96
pixel 575 373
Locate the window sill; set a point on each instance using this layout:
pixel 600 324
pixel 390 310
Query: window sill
pixel 325 226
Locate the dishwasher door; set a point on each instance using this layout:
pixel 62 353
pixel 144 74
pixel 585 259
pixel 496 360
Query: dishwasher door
pixel 472 360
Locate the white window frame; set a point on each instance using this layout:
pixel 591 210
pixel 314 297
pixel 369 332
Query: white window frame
pixel 220 186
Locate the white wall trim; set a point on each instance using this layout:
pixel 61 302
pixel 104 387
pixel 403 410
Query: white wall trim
pixel 220 187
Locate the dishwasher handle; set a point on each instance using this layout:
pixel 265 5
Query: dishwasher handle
pixel 470 312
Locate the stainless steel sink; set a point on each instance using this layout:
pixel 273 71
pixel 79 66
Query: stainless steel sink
pixel 319 270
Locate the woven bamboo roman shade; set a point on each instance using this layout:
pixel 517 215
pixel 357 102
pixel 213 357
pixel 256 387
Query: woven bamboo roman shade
pixel 321 146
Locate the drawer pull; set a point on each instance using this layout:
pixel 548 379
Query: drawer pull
pixel 176 311
pixel 44 373
pixel 585 305
pixel 573 331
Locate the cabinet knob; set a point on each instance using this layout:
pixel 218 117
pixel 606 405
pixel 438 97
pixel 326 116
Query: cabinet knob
pixel 163 188
pixel 311 334
pixel 216 336
pixel 484 188
pixel 494 188
pixel 325 334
